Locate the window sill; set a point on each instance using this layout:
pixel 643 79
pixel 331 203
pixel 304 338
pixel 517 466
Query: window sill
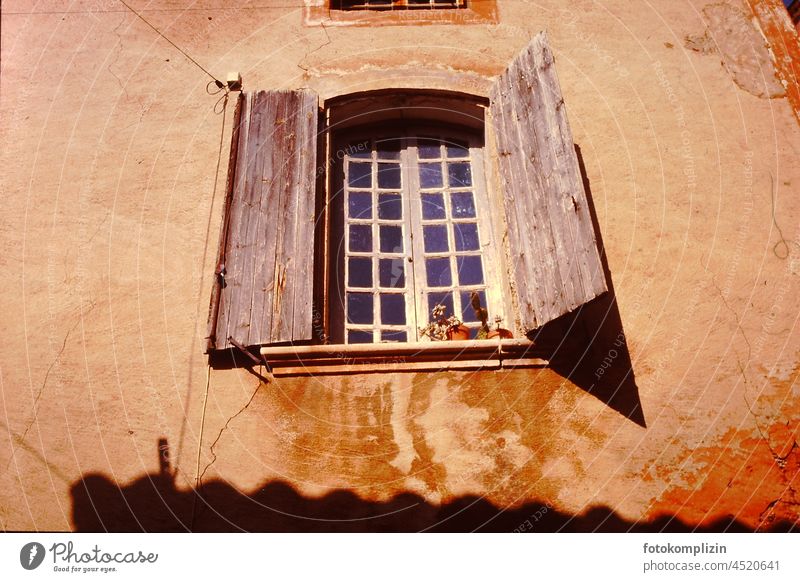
pixel 398 357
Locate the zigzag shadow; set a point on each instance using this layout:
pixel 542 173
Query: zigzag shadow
pixel 152 503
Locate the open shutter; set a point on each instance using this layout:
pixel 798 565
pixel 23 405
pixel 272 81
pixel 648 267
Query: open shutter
pixel 555 261
pixel 265 272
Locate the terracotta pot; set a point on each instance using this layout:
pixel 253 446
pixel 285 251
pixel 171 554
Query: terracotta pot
pixel 458 333
pixel 502 333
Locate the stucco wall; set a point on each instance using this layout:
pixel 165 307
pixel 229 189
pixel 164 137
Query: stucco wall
pixel 110 227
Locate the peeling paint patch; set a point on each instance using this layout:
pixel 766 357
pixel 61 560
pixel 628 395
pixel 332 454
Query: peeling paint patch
pixel 743 50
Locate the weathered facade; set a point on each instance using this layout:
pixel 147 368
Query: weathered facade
pixel 669 401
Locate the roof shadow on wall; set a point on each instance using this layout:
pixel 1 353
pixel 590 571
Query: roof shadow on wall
pixel 588 346
pixel 153 504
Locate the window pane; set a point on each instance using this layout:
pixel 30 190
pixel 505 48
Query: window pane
pixel 470 271
pixel 429 148
pixel 467 312
pixel 459 174
pixel 393 336
pixel 360 238
pixel 391 239
pixel 438 272
pixel 388 149
pixel 457 150
pixel 359 272
pixel 390 207
pixel 432 206
pixel 359 149
pixel 443 298
pixel 430 175
pixel 359 205
pixel 388 175
pixel 393 309
pixel 463 205
pixel 391 273
pixel 359 308
pixel 465 235
pixel 359 175
pixel 358 336
pixel 435 238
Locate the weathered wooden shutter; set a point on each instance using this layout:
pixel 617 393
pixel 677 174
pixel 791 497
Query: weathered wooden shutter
pixel 555 261
pixel 267 247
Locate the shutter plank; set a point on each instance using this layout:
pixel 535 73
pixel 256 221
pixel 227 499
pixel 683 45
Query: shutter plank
pixel 263 260
pixel 238 220
pixel 302 298
pixel 555 261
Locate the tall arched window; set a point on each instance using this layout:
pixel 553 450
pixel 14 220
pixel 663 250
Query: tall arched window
pixel 410 230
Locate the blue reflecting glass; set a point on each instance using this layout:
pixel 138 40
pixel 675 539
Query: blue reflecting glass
pixel 391 273
pixel 459 174
pixel 430 175
pixel 391 238
pixel 359 205
pixel 457 150
pixel 359 336
pixel 390 207
pixel 359 307
pixel 470 271
pixel 462 205
pixel 465 235
pixel 388 149
pixel 428 148
pixel 438 272
pixel 359 272
pixel 432 206
pixel 467 311
pixel 388 175
pixel 393 336
pixel 359 149
pixel 361 238
pixel 359 175
pixel 435 238
pixel 444 298
pixel 393 309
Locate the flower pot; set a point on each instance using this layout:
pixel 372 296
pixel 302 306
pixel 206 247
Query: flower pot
pixel 501 333
pixel 456 333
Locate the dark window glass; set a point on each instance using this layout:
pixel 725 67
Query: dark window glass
pixel 391 273
pixel 359 205
pixel 391 239
pixel 390 207
pixel 438 272
pixel 361 238
pixel 359 272
pixel 359 308
pixel 470 271
pixel 393 309
pixel 359 175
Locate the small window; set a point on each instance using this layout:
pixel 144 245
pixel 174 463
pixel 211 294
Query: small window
pixel 397 4
pixel 411 232
pixel 400 12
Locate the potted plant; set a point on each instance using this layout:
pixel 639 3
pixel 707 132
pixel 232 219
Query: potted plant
pixel 443 328
pixel 485 332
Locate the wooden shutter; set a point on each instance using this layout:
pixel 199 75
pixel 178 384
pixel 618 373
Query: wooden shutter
pixel 267 246
pixel 555 261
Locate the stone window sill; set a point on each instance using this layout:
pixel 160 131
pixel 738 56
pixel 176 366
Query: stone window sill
pixel 397 357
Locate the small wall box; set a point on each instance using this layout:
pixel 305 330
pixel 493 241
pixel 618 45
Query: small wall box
pixel 234 81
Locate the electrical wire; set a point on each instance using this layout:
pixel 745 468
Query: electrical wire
pixel 217 82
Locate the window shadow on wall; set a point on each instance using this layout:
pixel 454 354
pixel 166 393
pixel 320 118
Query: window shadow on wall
pixel 152 503
pixel 589 346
